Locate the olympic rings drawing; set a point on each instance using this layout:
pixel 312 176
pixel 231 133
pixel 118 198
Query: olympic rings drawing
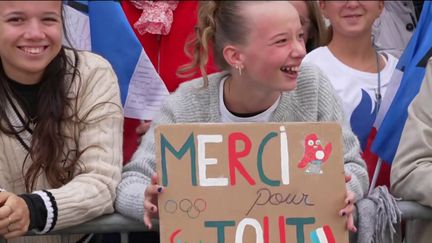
pixel 170 206
pixel 192 210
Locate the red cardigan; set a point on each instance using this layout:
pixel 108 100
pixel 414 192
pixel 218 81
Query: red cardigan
pixel 171 49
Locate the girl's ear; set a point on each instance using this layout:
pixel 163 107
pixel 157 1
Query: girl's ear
pixel 233 56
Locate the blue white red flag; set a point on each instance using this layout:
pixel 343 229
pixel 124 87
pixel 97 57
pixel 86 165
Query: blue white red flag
pixel 102 27
pixel 322 235
pixel 409 74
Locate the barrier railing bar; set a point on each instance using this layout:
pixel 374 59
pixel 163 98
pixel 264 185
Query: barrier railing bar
pixel 124 237
pixel 121 224
pixel 413 210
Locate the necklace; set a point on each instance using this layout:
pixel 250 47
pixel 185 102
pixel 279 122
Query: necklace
pixel 33 119
pixel 378 89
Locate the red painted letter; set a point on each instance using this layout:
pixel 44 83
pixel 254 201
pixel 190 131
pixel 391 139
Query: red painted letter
pixel 282 237
pixel 266 229
pixel 233 156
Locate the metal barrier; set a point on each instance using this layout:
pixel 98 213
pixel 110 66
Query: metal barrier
pixel 413 210
pixel 110 223
pixel 123 225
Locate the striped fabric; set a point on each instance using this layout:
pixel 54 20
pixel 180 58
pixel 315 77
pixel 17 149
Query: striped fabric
pixel 322 235
pixel 102 27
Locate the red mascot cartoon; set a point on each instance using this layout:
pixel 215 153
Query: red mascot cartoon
pixel 314 155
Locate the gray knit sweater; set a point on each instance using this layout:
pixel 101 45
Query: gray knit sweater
pixel 313 100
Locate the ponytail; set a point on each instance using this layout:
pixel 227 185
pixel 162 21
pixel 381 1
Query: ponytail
pixel 198 48
pixel 219 24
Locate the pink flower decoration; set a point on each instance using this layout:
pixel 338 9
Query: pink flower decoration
pixel 156 18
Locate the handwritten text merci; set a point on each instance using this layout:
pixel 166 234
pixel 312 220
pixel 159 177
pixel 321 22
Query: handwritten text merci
pixel 199 153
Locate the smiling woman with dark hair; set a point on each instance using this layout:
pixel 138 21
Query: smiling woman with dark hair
pixel 60 125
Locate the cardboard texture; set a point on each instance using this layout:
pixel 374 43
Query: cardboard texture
pixel 251 182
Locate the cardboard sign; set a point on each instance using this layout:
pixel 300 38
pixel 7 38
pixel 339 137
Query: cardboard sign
pixel 253 182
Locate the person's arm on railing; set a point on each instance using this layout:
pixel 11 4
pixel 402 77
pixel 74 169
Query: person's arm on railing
pixel 138 173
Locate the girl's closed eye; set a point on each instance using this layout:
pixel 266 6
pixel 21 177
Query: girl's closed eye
pixel 281 41
pixel 50 20
pixel 15 20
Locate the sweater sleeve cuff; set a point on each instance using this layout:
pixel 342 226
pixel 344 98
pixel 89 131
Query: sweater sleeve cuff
pixel 51 209
pixel 37 210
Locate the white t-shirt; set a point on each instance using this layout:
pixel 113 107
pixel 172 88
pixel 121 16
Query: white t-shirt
pixel 357 89
pixel 227 116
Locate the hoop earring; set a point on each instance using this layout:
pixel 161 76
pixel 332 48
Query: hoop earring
pixel 239 69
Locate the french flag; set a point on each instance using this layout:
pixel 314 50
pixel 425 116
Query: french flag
pixel 409 76
pixel 322 235
pixel 102 27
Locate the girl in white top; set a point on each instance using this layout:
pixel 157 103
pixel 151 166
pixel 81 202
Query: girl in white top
pixel 357 71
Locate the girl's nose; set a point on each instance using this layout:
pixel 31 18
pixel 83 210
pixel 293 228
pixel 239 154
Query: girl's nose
pixel 352 4
pixel 34 30
pixel 299 49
